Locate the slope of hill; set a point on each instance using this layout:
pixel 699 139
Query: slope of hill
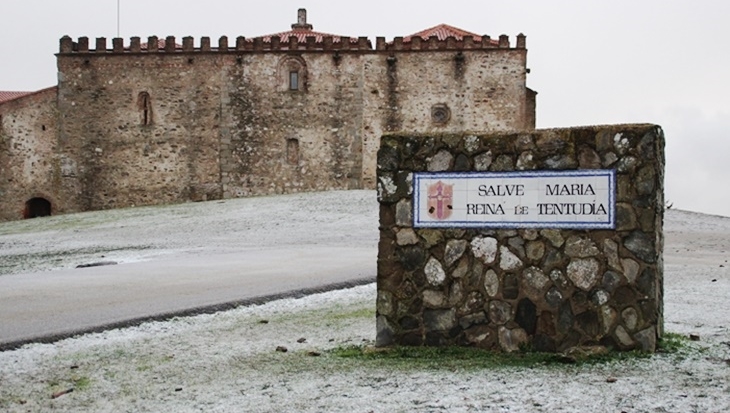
pixel 228 361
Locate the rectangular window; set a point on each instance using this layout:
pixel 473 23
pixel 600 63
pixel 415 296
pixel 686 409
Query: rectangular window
pixel 292 151
pixel 293 80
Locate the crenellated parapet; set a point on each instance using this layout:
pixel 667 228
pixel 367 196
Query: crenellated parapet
pixel 314 43
pixel 450 43
pixel 239 44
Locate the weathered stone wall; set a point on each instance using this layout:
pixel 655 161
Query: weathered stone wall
pixel 138 125
pixel 29 165
pixel 278 140
pixel 125 157
pixel 548 289
pixel 438 91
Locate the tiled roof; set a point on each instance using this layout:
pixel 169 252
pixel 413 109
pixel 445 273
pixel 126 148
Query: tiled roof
pixel 8 96
pixel 301 30
pixel 443 31
pixel 302 34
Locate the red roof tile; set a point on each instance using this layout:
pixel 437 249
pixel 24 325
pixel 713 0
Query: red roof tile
pixel 444 31
pixel 301 30
pixel 8 96
pixel 302 34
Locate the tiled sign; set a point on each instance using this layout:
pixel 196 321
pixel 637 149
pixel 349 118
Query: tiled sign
pixel 535 199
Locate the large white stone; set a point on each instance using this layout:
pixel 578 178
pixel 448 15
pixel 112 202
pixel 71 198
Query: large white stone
pixel 491 283
pixel 583 272
pixel 508 261
pixel 484 248
pixel 435 274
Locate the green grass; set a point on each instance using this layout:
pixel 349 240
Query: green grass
pixel 469 358
pixel 673 343
pixel 81 383
pixel 353 314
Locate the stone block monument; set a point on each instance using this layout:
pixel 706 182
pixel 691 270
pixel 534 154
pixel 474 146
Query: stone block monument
pixel 546 240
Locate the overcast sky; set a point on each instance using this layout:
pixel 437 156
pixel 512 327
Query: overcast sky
pixel 592 62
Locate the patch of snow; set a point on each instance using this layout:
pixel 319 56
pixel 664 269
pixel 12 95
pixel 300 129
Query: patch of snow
pixel 228 361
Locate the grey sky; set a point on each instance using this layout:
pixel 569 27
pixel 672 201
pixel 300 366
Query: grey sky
pixel 592 62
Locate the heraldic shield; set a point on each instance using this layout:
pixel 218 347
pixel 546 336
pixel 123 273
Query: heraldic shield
pixel 440 200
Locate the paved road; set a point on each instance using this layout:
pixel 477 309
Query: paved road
pixel 50 305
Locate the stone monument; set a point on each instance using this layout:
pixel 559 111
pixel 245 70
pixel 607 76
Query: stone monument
pixel 546 240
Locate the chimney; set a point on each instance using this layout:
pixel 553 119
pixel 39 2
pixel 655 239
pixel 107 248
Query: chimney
pixel 301 23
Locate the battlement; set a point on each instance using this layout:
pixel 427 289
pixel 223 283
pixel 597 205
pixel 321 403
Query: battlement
pixel 450 43
pixel 313 43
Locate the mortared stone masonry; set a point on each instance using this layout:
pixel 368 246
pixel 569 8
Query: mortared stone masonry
pixel 545 289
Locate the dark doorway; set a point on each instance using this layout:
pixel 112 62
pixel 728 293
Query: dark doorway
pixel 37 207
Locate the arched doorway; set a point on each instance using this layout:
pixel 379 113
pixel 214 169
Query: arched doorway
pixel 37 207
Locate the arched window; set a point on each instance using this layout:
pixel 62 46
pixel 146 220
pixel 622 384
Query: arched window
pixel 37 207
pixel 293 74
pixel 144 104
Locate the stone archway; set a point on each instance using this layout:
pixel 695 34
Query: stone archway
pixel 37 207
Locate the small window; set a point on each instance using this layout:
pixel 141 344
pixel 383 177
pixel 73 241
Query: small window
pixel 294 80
pixel 145 108
pixel 292 151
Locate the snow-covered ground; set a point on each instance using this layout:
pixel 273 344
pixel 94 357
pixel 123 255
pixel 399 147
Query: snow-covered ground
pixel 336 218
pixel 227 362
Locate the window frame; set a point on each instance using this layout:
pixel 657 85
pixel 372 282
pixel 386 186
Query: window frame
pixel 294 80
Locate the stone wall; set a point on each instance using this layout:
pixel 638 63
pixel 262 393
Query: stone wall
pixel 545 289
pixel 160 123
pixel 140 131
pixel 278 140
pixel 224 123
pixel 440 91
pixel 29 166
